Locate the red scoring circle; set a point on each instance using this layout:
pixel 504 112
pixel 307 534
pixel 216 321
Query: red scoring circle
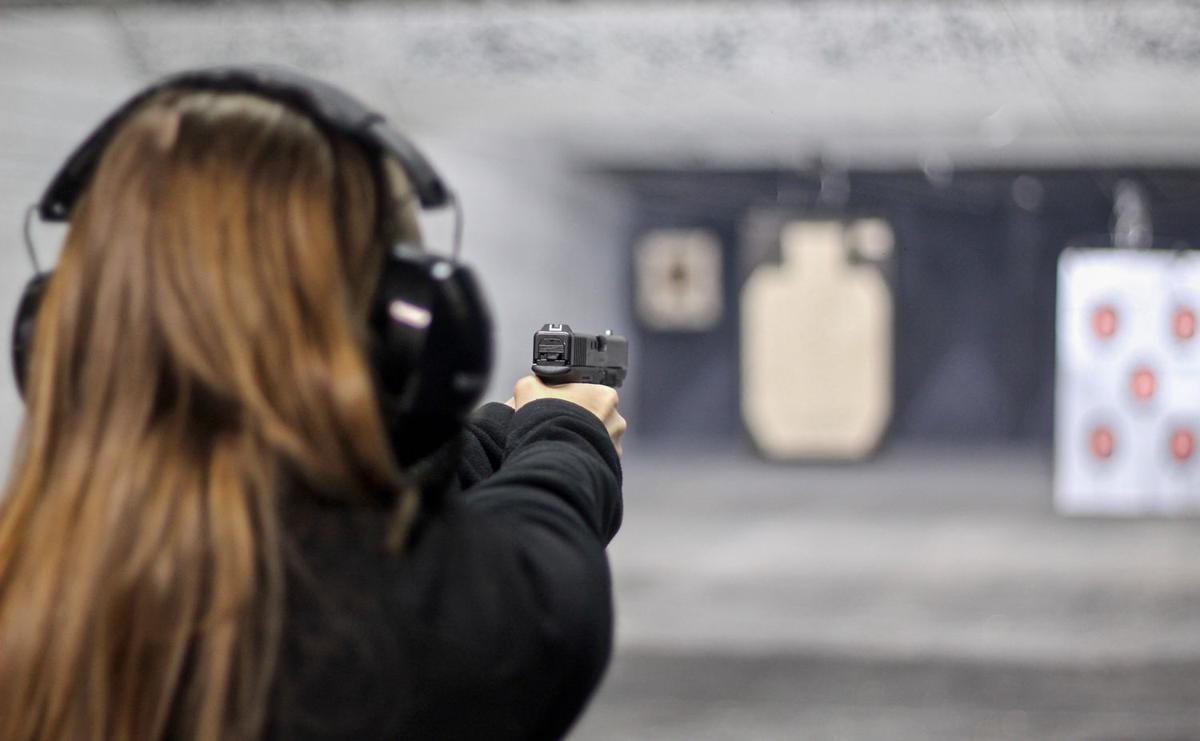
pixel 1143 384
pixel 1184 324
pixel 1104 443
pixel 1104 321
pixel 1183 444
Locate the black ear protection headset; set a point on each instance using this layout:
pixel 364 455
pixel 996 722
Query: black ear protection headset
pixel 431 333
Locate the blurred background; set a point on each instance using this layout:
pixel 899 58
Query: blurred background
pixel 890 381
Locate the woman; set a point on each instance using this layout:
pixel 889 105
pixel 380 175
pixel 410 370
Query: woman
pixel 206 532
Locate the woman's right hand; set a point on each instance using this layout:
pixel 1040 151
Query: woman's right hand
pixel 599 400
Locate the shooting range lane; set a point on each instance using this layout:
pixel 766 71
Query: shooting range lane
pixel 920 595
pixel 929 594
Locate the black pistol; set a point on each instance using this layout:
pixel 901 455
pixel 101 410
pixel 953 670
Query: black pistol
pixel 561 355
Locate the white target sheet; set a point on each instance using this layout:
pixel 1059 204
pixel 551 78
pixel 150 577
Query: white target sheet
pixel 1127 405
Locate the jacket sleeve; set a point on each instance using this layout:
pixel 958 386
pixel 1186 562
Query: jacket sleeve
pixel 556 502
pixel 558 469
pixel 483 443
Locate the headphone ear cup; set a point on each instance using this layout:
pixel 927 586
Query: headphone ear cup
pixel 400 321
pixel 432 342
pixel 457 362
pixel 25 327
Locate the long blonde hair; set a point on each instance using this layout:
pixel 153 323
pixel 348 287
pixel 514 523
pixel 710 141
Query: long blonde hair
pixel 199 348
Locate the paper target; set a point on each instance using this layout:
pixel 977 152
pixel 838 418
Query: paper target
pixel 1127 382
pixel 817 346
pixel 678 280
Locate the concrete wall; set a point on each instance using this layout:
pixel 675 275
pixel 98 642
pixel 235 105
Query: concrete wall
pixel 760 82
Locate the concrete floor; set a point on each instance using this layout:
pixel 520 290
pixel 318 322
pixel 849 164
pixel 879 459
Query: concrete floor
pixel 926 595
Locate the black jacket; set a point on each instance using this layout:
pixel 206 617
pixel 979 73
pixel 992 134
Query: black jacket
pixel 495 623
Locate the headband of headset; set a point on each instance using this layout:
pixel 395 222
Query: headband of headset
pixel 322 102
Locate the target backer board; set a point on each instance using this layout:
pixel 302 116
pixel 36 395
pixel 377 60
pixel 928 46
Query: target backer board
pixel 1127 416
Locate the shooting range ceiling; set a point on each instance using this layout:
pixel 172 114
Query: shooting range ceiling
pixel 930 84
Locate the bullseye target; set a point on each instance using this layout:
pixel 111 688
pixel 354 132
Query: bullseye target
pixel 1105 322
pixel 1103 443
pixel 1127 412
pixel 1183 324
pixel 1183 444
pixel 1143 383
